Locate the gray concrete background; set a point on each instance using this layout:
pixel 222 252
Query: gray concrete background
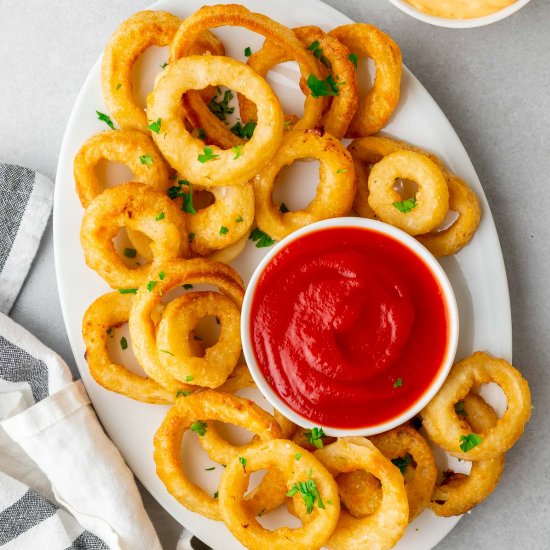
pixel 493 83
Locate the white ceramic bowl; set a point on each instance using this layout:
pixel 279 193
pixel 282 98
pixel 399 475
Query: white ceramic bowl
pixel 448 296
pixel 459 23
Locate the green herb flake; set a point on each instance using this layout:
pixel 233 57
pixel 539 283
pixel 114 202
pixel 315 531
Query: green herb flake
pixel 283 208
pixel 261 512
pixel 210 469
pixel 402 462
pixel 323 88
pixel 315 437
pixel 202 134
pixel 130 252
pixel 247 51
pixel 155 126
pixel 183 393
pixel 468 442
pixel 297 456
pixel 187 286
pixel 109 331
pixel 342 171
pixel 353 58
pixel 318 53
pixel 151 285
pixel 224 230
pixel 398 383
pixel 243 461
pixel 238 150
pixel 189 378
pixel 190 237
pixel 246 131
pixel 128 290
pixel 123 343
pixel 183 189
pixel 160 216
pixel 221 108
pixel 309 493
pixel 216 494
pixel 118 86
pixel 105 118
pixel 162 275
pixel 167 352
pixel 405 206
pixel 329 501
pixel 146 159
pixel 240 219
pixel 199 427
pixel 288 124
pixel 164 65
pixel 207 155
pixel 261 239
pixel 459 409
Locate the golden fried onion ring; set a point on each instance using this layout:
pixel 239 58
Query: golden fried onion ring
pixel 446 429
pixel 458 493
pixel 204 406
pixel 377 107
pixel 179 318
pixel 138 207
pixel 387 525
pixel 112 310
pixel 342 107
pixel 183 151
pixel 176 273
pixel 280 455
pixel 125 147
pixel 432 197
pixel 335 191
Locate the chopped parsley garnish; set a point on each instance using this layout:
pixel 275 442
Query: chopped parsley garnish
pixel 118 86
pixel 164 65
pixel 160 216
pixel 398 383
pixel 146 159
pixel 199 427
pixel 240 219
pixel 123 343
pixel 243 461
pixel 323 88
pixel 224 230
pixel 341 171
pixel 297 456
pixel 128 290
pixel 167 352
pixel 405 206
pixel 105 118
pixel 183 393
pixel 247 51
pixel 238 150
pixel 162 275
pixel 468 442
pixel 283 208
pixel 221 108
pixel 318 53
pixel 130 252
pixel 210 469
pixel 315 437
pixel 155 126
pixel 187 286
pixel 190 237
pixel 288 124
pixel 246 131
pixel 216 494
pixel 309 493
pixel 459 409
pixel 151 285
pixel 202 134
pixel 262 239
pixel 109 331
pixel 261 512
pixel 207 155
pixel 353 58
pixel 189 378
pixel 186 194
pixel 402 462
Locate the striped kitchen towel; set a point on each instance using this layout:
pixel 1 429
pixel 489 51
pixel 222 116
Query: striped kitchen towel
pixel 63 484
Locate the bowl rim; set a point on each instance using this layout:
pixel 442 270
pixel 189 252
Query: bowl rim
pixel 448 295
pixel 474 22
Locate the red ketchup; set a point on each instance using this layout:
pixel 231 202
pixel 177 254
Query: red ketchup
pixel 349 327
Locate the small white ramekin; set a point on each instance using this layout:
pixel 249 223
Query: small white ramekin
pixel 452 317
pixel 459 23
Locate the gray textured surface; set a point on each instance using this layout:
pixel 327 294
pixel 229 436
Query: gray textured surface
pixel 494 85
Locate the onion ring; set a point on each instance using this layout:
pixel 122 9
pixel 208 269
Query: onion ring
pixel 377 107
pixel 432 197
pixel 204 406
pixel 280 455
pixel 126 147
pixel 112 310
pixel 128 42
pixel 458 493
pixel 176 273
pixel 335 191
pixel 138 207
pixel 387 525
pixel 343 106
pixel 449 431
pixel 213 166
pixel 179 318
pixel 209 17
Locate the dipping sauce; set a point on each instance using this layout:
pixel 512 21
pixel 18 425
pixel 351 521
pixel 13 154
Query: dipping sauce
pixel 348 326
pixel 460 9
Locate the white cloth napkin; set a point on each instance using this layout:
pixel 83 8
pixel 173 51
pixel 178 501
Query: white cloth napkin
pixel 63 484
